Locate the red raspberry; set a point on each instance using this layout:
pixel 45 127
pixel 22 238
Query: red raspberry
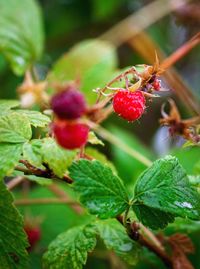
pixel 156 85
pixel 70 135
pixel 33 234
pixel 68 104
pixel 129 105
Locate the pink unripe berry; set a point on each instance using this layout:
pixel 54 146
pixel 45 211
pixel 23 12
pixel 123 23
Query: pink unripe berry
pixel 156 85
pixel 68 104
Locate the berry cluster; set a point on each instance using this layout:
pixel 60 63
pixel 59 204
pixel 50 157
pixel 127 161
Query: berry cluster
pixel 69 105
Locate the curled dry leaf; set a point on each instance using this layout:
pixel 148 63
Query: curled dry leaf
pixel 181 245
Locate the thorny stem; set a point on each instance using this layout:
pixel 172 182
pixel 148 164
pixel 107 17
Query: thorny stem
pixel 176 82
pixel 168 62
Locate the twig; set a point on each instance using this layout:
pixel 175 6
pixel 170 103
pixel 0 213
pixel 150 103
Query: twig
pixel 44 201
pixel 152 245
pixel 151 236
pixel 174 80
pixel 159 252
pixel 131 70
pixel 119 143
pixel 23 169
pixel 32 170
pixel 179 53
pixel 14 182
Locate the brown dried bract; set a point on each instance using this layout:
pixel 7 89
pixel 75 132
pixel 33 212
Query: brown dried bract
pixel 32 92
pixel 177 126
pixel 151 71
pixel 181 245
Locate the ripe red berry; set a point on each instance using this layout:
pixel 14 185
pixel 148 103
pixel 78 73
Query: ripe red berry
pixel 68 104
pixel 70 135
pixel 129 105
pixel 33 234
pixel 156 85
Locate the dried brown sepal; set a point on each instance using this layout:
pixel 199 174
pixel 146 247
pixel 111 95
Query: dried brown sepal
pixel 180 260
pixel 32 92
pixel 177 126
pixel 183 241
pixel 151 71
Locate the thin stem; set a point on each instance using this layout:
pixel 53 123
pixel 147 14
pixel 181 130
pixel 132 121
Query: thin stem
pixel 14 182
pixel 119 143
pixel 32 170
pixel 44 201
pixel 59 192
pixel 118 77
pixel 152 245
pixel 151 236
pixel 179 53
pixel 126 216
pixel 22 169
pixel 159 252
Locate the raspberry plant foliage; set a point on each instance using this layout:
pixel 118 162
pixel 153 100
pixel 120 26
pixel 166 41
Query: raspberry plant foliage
pixel 48 145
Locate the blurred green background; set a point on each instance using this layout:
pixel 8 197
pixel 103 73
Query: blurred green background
pixel 67 22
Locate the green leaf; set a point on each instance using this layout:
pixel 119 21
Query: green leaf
pixel 36 118
pixel 197 168
pixel 32 152
pixel 6 105
pixel 69 250
pixel 102 192
pixel 188 144
pixel 9 157
pixel 184 226
pixel 153 218
pixel 165 187
pixel 57 158
pixel 195 181
pixel 115 238
pixel 14 128
pixel 99 156
pixel 40 151
pixel 13 241
pixel 188 157
pixel 93 61
pixel 21 33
